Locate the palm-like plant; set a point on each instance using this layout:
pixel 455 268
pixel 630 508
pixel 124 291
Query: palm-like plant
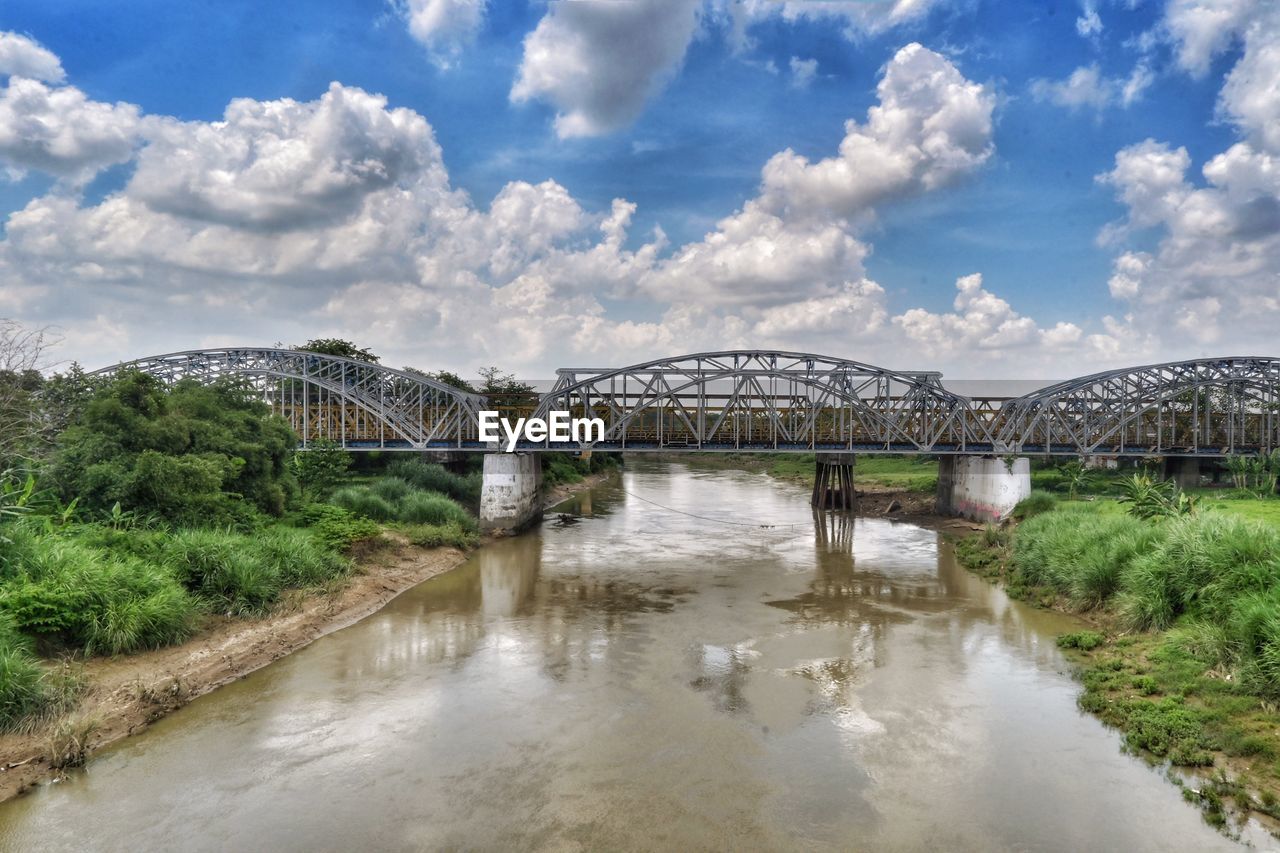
pixel 1078 478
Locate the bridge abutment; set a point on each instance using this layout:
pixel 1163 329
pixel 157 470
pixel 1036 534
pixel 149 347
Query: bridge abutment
pixel 833 482
pixel 1184 471
pixel 509 490
pixel 984 488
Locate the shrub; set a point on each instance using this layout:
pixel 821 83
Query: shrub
pixel 321 465
pixel 337 529
pixel 1034 504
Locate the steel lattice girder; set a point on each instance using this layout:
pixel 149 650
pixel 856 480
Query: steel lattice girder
pixel 755 399
pixel 1211 406
pixel 415 409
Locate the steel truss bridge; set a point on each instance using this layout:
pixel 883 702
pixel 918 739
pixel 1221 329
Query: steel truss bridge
pixel 761 400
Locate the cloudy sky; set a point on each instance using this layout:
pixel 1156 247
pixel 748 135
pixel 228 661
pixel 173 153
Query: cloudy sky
pixel 987 188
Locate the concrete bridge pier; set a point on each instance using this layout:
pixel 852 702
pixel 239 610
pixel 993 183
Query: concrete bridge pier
pixel 984 488
pixel 833 484
pixel 1184 471
pixel 509 490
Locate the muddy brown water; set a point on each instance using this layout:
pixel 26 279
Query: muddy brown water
pixel 665 674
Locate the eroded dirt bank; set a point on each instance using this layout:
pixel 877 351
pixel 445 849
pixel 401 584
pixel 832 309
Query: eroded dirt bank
pixel 126 694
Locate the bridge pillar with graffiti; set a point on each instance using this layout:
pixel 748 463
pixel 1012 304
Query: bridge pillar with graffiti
pixel 984 488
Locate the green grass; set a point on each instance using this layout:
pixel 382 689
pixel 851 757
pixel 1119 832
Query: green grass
pixel 391 499
pixel 80 597
pixel 429 477
pixel 1192 674
pixel 223 568
pixel 437 535
pixel 907 473
pixel 1034 504
pixel 1263 510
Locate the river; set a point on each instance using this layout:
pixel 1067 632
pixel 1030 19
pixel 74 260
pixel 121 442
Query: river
pixel 664 673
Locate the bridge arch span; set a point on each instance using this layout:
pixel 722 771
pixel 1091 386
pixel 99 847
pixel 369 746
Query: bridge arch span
pixel 358 404
pixel 762 399
pixel 1208 406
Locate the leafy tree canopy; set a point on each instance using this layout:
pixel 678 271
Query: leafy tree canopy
pixel 497 382
pixel 190 454
pixel 340 348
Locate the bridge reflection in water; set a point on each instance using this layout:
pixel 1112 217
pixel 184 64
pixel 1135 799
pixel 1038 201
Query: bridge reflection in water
pixel 764 400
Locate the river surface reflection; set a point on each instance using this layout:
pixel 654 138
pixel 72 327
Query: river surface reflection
pixel 665 673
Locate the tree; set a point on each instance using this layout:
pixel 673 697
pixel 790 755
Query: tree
pixel 453 380
pixel 190 454
pixel 497 382
pixel 338 347
pixel 322 465
pixel 22 355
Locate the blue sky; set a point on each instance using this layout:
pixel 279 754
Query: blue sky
pixel 1027 212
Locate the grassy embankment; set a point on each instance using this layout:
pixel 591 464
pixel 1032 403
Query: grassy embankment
pixel 1185 658
pixel 72 589
pixel 903 473
pixel 75 589
pixel 156 509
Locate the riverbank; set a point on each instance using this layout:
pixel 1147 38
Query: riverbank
pixel 887 487
pixel 125 694
pixel 1176 655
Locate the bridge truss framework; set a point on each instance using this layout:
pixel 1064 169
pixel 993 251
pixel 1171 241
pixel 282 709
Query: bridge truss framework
pixel 765 400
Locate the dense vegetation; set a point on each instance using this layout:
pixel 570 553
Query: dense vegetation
pixel 1186 596
pixel 131 512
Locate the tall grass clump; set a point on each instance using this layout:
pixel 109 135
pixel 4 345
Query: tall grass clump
pixel 299 557
pixel 223 569
pixel 436 478
pixel 1201 567
pixel 390 489
pixel 428 508
pixel 391 499
pixel 83 598
pixel 22 692
pixel 1036 503
pixel 359 500
pixel 1075 551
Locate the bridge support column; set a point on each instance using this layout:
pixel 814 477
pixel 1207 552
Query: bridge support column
pixel 509 490
pixel 1184 471
pixel 833 482
pixel 982 488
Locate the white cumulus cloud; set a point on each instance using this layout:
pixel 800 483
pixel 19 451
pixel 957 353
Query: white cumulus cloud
pixel 21 56
pixel 444 27
pixel 598 63
pixel 56 129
